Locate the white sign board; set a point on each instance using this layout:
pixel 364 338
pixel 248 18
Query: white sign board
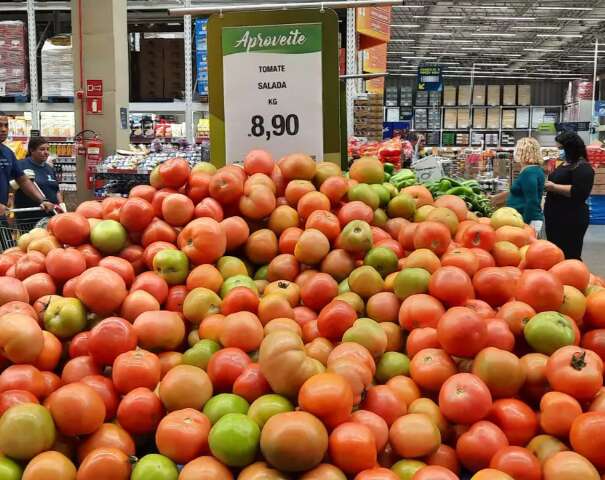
pixel 427 169
pixel 272 77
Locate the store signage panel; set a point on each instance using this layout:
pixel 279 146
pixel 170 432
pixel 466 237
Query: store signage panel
pixel 373 25
pixel 272 78
pixel 94 88
pixel 430 78
pixel 273 84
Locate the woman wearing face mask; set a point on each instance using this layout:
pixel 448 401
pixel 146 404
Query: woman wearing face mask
pixel 42 174
pixel 526 192
pixel 566 212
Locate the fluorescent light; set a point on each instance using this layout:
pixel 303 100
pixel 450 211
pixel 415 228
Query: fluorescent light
pixel 581 19
pixel 443 63
pixel 511 42
pixel 419 57
pixel 493 34
pixel 479 48
pixel 440 17
pixel 559 35
pixel 584 9
pixel 408 25
pixel 441 34
pixel 501 54
pixel 448 54
pixel 576 61
pixel 543 49
pixel 454 26
pixel 436 40
pixel 486 7
pixel 409 6
pixel 406 40
pixel 527 19
pixel 491 64
pixel 535 27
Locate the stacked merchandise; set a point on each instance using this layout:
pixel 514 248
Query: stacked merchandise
pixel 13 59
pixel 369 115
pixel 201 55
pixel 19 126
pixel 57 67
pixel 596 156
pixel 57 124
pixel 146 128
pixel 64 163
pixel 161 68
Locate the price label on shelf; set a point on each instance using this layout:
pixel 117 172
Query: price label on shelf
pixel 273 90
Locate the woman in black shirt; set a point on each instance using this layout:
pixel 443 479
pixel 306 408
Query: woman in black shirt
pixel 566 213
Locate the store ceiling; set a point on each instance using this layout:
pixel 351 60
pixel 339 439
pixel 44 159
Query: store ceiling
pixel 508 38
pixel 521 38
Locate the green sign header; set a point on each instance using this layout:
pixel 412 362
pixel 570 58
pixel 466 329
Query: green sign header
pixel 295 38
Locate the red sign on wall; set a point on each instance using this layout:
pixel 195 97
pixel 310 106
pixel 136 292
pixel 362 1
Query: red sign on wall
pixel 94 88
pixel 94 106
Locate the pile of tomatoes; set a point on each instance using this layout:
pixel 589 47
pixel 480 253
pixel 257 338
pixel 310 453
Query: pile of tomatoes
pixel 284 320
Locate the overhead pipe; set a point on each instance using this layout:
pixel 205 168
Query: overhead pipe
pixel 242 7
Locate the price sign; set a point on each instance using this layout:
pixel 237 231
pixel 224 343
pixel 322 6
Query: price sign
pixel 273 84
pixel 272 78
pixel 430 78
pixel 428 169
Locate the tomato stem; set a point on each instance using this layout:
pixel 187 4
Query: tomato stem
pixel 578 360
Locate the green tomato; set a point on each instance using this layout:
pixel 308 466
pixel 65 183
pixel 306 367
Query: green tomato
pixel 546 332
pixel 172 265
pixel 108 236
pixel 64 317
pixel 238 281
pixel 406 469
pixel 155 467
pixel 10 470
pixel 223 404
pixel 234 440
pixel 26 430
pixel 265 406
pixel 199 355
pixel 392 364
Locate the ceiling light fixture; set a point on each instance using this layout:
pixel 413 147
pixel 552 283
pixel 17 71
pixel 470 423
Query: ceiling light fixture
pixel 584 9
pixel 526 19
pixel 511 42
pixel 501 54
pixel 439 17
pixel 535 27
pixel 440 34
pixel 406 25
pixel 491 64
pixel 403 40
pixel 576 61
pixel 543 50
pixel 479 48
pixel 559 35
pixel 493 34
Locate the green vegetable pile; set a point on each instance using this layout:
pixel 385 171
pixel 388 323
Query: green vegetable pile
pixel 468 190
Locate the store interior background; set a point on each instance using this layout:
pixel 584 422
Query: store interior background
pixel 154 74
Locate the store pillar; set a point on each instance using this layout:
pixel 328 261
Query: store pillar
pixel 101 76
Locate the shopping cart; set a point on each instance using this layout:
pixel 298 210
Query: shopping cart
pixel 11 228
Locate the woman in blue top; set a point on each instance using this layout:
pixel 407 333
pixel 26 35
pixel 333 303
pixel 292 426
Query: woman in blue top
pixel 42 174
pixel 526 192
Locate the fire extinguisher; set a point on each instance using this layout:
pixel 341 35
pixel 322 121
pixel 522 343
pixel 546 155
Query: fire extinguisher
pixel 89 146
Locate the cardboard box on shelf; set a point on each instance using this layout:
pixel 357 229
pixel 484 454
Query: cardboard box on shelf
pixel 479 117
pixel 493 118
pixel 599 178
pixel 13 59
pixel 524 95
pixel 479 95
pixel 509 95
pixel 449 95
pixel 464 95
pixel 493 95
pixel 598 190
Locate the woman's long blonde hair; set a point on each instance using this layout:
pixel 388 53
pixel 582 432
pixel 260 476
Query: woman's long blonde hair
pixel 527 152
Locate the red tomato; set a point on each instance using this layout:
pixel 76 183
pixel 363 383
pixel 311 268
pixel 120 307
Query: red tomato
pixel 104 387
pixel 477 446
pixel 419 311
pixel 136 368
pixel 352 447
pixel 494 286
pixel 421 338
pixel 121 266
pixel 431 367
pixel 251 383
pixel 575 371
pixel 109 338
pixel 78 346
pixel 540 289
pixel 335 318
pixel 516 419
pixel 384 402
pixel 586 436
pixel 465 399
pixel 595 340
pixel 79 367
pixel 77 409
pixel 183 435
pixel 480 236
pixel 10 398
pixel 432 235
pixel 461 332
pixel 225 366
pixel 140 411
pixel 136 214
pixel 174 172
pixel 435 472
pixel 499 335
pixel 518 462
pixel 451 285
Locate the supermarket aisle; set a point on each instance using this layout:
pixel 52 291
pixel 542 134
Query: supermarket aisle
pixel 594 249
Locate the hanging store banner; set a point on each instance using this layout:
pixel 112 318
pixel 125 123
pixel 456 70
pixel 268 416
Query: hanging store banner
pixel 430 78
pixel 373 26
pixel 274 85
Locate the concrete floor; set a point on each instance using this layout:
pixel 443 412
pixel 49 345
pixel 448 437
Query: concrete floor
pixel 594 249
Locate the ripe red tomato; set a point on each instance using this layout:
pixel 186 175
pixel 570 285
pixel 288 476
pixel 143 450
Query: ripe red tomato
pixel 540 289
pixel 451 285
pixel 595 340
pixel 140 411
pixel 10 398
pixel 421 338
pixel 461 332
pixel 79 367
pixel 493 285
pixel 431 367
pixel 518 462
pixel 420 310
pixel 104 387
pixel 384 402
pixel 174 172
pixel 465 399
pixel 479 236
pixel 183 435
pixel 516 419
pixel 432 235
pixel 136 368
pixel 251 383
pixel 352 447
pixel 109 338
pixel 78 346
pixel 477 446
pixel 328 396
pixel 77 409
pixel 575 371
pixel 225 366
pixel 335 318
pixel 586 436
